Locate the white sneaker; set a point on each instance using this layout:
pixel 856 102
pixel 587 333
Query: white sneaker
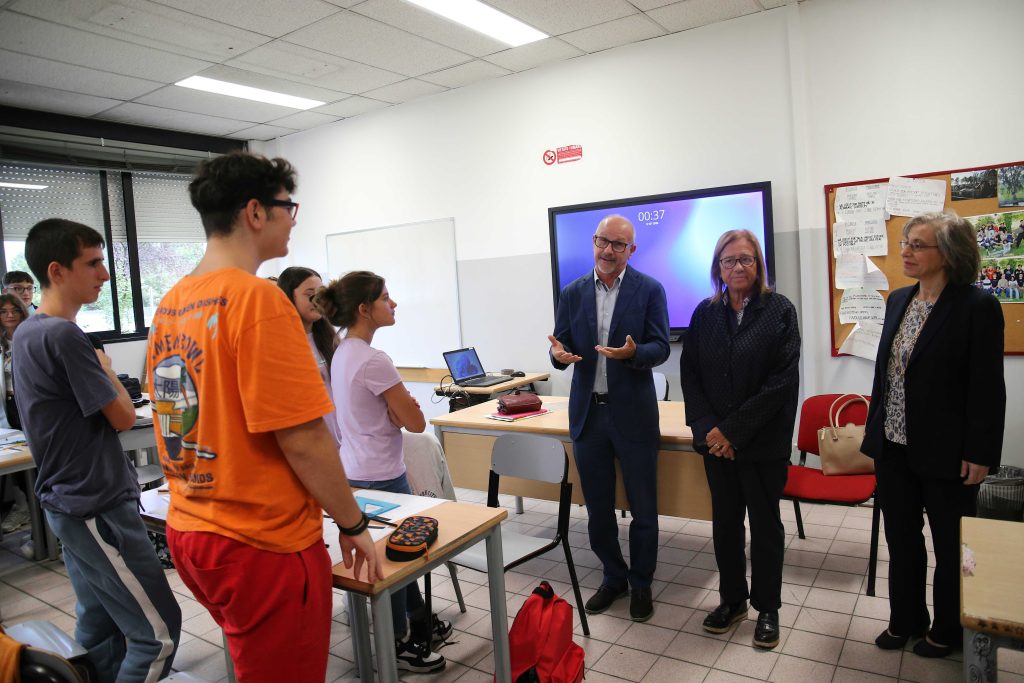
pixel 16 519
pixel 417 657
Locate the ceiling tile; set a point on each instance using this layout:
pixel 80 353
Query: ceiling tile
pixel 277 84
pixel 772 4
pixel 44 39
pixel 262 132
pixel 645 5
pixel 420 22
pixel 47 99
pixel 404 91
pixel 555 18
pixel 304 120
pixel 352 106
pixel 268 17
pixel 158 117
pixel 362 39
pixel 693 13
pixel 344 3
pixel 464 74
pixel 534 54
pixel 39 71
pixel 211 104
pixel 302 64
pixel 147 23
pixel 631 29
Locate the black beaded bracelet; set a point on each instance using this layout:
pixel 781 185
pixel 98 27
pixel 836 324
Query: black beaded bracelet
pixel 359 528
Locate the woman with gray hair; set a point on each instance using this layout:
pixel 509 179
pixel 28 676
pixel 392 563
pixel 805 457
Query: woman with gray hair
pixel 933 443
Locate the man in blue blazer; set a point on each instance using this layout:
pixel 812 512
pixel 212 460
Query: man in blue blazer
pixel 612 324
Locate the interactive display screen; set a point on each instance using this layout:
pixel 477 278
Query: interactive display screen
pixel 675 237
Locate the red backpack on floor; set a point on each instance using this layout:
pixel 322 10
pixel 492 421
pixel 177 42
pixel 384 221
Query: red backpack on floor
pixel 541 642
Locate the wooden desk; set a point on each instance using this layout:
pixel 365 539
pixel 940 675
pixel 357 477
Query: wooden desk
pixel 461 525
pixel 467 436
pixel 992 600
pixel 514 383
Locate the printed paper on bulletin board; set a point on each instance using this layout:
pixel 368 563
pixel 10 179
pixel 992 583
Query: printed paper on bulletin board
pixel 975 200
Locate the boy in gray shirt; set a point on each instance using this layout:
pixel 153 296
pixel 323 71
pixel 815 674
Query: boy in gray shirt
pixel 71 406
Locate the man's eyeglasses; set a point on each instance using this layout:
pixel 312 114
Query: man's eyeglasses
pixel 21 289
pixel 916 246
pixel 617 247
pixel 729 262
pixel 290 206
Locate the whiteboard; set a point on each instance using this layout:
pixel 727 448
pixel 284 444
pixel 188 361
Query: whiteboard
pixel 417 262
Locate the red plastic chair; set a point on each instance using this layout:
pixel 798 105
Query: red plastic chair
pixel 809 484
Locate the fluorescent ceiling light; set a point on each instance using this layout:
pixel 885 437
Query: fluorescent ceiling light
pixel 247 93
pixel 485 19
pixel 24 186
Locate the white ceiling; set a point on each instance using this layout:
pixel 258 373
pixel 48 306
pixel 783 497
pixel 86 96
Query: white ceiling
pixel 118 60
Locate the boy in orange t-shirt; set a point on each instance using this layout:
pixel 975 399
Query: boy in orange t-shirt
pixel 238 402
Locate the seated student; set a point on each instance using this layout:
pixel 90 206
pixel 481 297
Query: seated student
pixel 12 314
pixel 72 406
pixel 300 285
pixel 20 284
pixel 373 406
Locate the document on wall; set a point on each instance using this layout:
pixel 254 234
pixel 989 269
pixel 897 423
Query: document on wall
pixel 863 235
pixel 861 305
pixel 856 271
pixel 854 201
pixel 863 341
pixel 913 196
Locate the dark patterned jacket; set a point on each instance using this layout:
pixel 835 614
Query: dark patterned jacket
pixel 743 379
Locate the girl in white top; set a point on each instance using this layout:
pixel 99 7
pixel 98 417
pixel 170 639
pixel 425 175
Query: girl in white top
pixel 301 284
pixel 372 408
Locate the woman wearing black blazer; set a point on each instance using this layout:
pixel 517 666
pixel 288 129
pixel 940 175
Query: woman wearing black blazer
pixel 740 377
pixel 935 428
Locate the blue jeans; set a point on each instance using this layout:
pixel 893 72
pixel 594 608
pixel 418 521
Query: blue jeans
pixel 411 606
pixel 123 596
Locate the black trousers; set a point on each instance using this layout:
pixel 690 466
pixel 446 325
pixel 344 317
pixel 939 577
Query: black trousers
pixel 738 488
pixel 905 498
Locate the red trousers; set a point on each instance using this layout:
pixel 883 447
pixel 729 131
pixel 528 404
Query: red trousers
pixel 274 608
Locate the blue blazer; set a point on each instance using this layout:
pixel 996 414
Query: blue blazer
pixel 641 311
pixel 955 392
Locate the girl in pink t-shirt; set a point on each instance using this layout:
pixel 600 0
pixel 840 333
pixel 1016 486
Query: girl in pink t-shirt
pixel 372 408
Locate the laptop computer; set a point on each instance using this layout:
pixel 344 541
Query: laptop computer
pixel 467 370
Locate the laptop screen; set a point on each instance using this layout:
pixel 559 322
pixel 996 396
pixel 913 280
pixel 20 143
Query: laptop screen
pixel 464 364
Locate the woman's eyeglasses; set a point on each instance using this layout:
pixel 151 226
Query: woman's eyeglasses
pixel 916 246
pixel 729 262
pixel 9 312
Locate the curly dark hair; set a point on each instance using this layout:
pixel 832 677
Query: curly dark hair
pixel 324 335
pixel 222 186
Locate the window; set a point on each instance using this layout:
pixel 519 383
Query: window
pixel 153 234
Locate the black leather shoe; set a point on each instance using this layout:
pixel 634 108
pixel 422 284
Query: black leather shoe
pixel 766 633
pixel 603 599
pixel 888 641
pixel 923 648
pixel 724 616
pixel 641 606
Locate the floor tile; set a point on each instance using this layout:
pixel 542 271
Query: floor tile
pixel 626 663
pixel 823 622
pixel 792 669
pixel 815 646
pixel 747 660
pixel 667 670
pixel 868 657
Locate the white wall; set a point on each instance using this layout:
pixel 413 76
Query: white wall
pixel 823 92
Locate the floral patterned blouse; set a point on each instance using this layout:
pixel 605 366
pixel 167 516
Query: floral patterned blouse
pixel 899 357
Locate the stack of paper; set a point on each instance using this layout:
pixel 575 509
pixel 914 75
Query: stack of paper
pixel 518 416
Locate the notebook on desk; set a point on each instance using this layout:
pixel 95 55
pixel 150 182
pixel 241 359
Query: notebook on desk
pixel 467 370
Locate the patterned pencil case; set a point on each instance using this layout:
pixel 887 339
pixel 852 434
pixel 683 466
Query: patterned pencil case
pixel 411 539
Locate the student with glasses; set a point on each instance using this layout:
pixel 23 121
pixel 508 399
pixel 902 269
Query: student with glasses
pixel 933 443
pixel 20 284
pixel 740 377
pixel 12 314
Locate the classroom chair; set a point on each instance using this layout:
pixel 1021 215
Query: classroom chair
pixel 538 458
pixel 661 386
pixel 810 485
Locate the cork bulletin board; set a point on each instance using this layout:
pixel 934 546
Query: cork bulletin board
pixel 975 200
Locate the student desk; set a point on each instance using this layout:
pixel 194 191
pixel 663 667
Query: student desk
pixel 476 395
pixel 461 525
pixel 991 601
pixel 18 459
pixel 467 436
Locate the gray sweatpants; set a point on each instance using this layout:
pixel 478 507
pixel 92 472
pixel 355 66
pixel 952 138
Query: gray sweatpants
pixel 128 618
